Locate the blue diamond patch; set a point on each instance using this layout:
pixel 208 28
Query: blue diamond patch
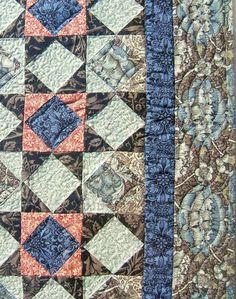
pixel 55 14
pixel 53 122
pixel 51 245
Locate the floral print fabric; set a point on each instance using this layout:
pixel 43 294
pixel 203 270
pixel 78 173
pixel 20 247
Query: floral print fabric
pixel 117 140
pixel 204 264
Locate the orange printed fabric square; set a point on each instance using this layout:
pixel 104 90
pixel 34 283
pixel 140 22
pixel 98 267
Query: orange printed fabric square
pixel 55 17
pixel 51 244
pixel 54 123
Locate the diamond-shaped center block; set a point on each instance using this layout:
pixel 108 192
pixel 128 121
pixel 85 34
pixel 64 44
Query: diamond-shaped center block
pixel 114 245
pixel 51 245
pixel 55 14
pixel 116 14
pixel 106 183
pixel 53 122
pixel 55 66
pixel 53 182
pixel 116 122
pixel 112 64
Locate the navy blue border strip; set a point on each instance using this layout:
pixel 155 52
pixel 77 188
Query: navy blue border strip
pixel 159 151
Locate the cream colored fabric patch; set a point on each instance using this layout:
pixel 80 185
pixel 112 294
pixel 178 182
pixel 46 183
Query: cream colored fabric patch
pixel 10 11
pixel 91 284
pixel 52 182
pixel 55 66
pixel 116 122
pixel 53 290
pixel 116 14
pixel 114 245
pixel 14 286
pixel 8 122
pixel 15 47
pixel 8 245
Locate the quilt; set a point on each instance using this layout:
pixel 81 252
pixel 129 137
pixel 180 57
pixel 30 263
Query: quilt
pixel 117 149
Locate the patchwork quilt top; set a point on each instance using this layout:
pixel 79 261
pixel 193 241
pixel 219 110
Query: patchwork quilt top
pixel 117 141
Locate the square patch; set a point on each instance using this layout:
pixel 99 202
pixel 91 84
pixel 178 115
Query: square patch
pixel 115 245
pixel 113 183
pixel 54 123
pixel 55 17
pixel 55 64
pixel 52 183
pixel 106 17
pixel 102 104
pixel 57 255
pixel 114 65
pixel 12 18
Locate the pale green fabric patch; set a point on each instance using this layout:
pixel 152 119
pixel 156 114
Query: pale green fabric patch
pixel 115 126
pixel 92 284
pixel 91 162
pixel 53 290
pixel 13 202
pixel 53 183
pixel 96 43
pixel 116 14
pixel 13 162
pixel 114 245
pixel 14 286
pixel 10 11
pixel 55 66
pixel 8 245
pixel 8 122
pixel 95 84
pixel 15 47
pixel 108 184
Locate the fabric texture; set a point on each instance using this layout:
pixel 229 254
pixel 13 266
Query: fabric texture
pixel 117 149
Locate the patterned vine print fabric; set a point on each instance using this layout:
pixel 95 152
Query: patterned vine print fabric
pixel 117 139
pixel 204 258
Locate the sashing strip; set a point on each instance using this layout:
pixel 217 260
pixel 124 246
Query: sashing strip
pixel 159 150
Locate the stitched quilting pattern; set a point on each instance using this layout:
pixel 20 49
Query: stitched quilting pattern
pixel 117 148
pixel 72 127
pixel 54 15
pixel 53 122
pixel 51 245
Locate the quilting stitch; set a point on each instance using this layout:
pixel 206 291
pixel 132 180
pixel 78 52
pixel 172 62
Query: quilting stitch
pixel 53 122
pixel 88 123
pixel 159 151
pixel 54 15
pixel 51 245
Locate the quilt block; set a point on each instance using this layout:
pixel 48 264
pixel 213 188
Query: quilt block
pixel 117 140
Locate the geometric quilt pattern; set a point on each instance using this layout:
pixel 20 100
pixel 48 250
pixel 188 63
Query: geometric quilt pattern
pixel 117 143
pixel 72 128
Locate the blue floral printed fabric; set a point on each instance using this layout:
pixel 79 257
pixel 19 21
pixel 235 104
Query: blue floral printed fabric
pixel 51 245
pixel 55 14
pixel 160 151
pixel 54 122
